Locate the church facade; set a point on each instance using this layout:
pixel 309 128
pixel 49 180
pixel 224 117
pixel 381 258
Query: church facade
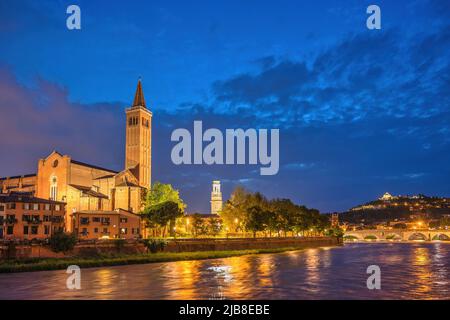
pixel 88 188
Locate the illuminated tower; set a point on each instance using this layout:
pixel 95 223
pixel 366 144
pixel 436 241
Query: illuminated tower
pixel 334 220
pixel 138 146
pixel 216 198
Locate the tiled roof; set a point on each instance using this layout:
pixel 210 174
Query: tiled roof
pixel 91 166
pixel 24 197
pixel 17 177
pixel 139 100
pixel 88 191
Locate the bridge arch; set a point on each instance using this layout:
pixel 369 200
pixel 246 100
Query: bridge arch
pixel 441 237
pixel 417 236
pixel 351 237
pixel 393 236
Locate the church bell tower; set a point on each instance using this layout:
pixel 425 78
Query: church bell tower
pixel 216 198
pixel 138 146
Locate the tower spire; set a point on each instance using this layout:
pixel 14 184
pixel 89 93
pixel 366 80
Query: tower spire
pixel 139 96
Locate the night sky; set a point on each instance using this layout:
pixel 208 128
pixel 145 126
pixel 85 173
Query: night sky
pixel 360 111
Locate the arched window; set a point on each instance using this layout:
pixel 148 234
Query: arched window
pixel 53 188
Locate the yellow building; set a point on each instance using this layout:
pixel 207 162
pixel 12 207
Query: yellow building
pixel 89 188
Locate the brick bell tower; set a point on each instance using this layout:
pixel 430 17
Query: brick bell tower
pixel 138 145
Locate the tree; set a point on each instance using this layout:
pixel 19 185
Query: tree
pixel 199 227
pixel 214 226
pixel 62 242
pixel 160 193
pixel 163 214
pixel 233 212
pixel 236 209
pixel 256 220
pixel 287 214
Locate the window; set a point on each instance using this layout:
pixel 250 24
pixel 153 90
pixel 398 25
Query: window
pixel 57 207
pixel 96 219
pixel 84 220
pixel 130 121
pixel 11 206
pixel 47 207
pixel 25 217
pixel 35 206
pixel 46 218
pixel 53 188
pixel 25 229
pixel 2 208
pixel 105 230
pixel 95 230
pixel 123 231
pixel 10 230
pixel 123 220
pixel 34 229
pixel 46 229
pixel 26 206
pixel 84 231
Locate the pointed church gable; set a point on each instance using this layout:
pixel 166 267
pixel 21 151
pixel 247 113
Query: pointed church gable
pixel 126 177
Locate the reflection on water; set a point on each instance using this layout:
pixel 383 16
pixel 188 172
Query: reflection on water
pixel 408 270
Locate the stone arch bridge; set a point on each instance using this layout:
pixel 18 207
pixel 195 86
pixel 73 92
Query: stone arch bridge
pixel 405 235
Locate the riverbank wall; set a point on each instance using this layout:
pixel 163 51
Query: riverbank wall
pixel 93 249
pixel 191 245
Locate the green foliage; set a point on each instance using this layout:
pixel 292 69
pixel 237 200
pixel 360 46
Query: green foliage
pixel 160 193
pixel 350 238
pixel 162 214
pixel 370 237
pixel 199 225
pixel 256 219
pixel 335 232
pixel 154 245
pixel 246 211
pixel 62 242
pixel 214 226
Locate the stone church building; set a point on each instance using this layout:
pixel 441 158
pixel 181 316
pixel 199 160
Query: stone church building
pixel 88 188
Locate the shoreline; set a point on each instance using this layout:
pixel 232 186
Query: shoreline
pixel 396 241
pixel 48 264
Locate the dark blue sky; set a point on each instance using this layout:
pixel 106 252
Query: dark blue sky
pixel 360 111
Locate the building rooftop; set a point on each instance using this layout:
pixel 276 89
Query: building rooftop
pixel 88 191
pixel 25 198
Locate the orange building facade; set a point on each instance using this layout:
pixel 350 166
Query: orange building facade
pixel 88 188
pixel 24 217
pixel 119 224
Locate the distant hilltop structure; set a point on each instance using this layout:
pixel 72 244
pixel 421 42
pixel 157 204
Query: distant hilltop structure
pixel 412 203
pixel 216 198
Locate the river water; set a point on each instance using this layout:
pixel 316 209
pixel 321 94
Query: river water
pixel 408 271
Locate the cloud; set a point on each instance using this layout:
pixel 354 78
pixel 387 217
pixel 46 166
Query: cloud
pixel 36 121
